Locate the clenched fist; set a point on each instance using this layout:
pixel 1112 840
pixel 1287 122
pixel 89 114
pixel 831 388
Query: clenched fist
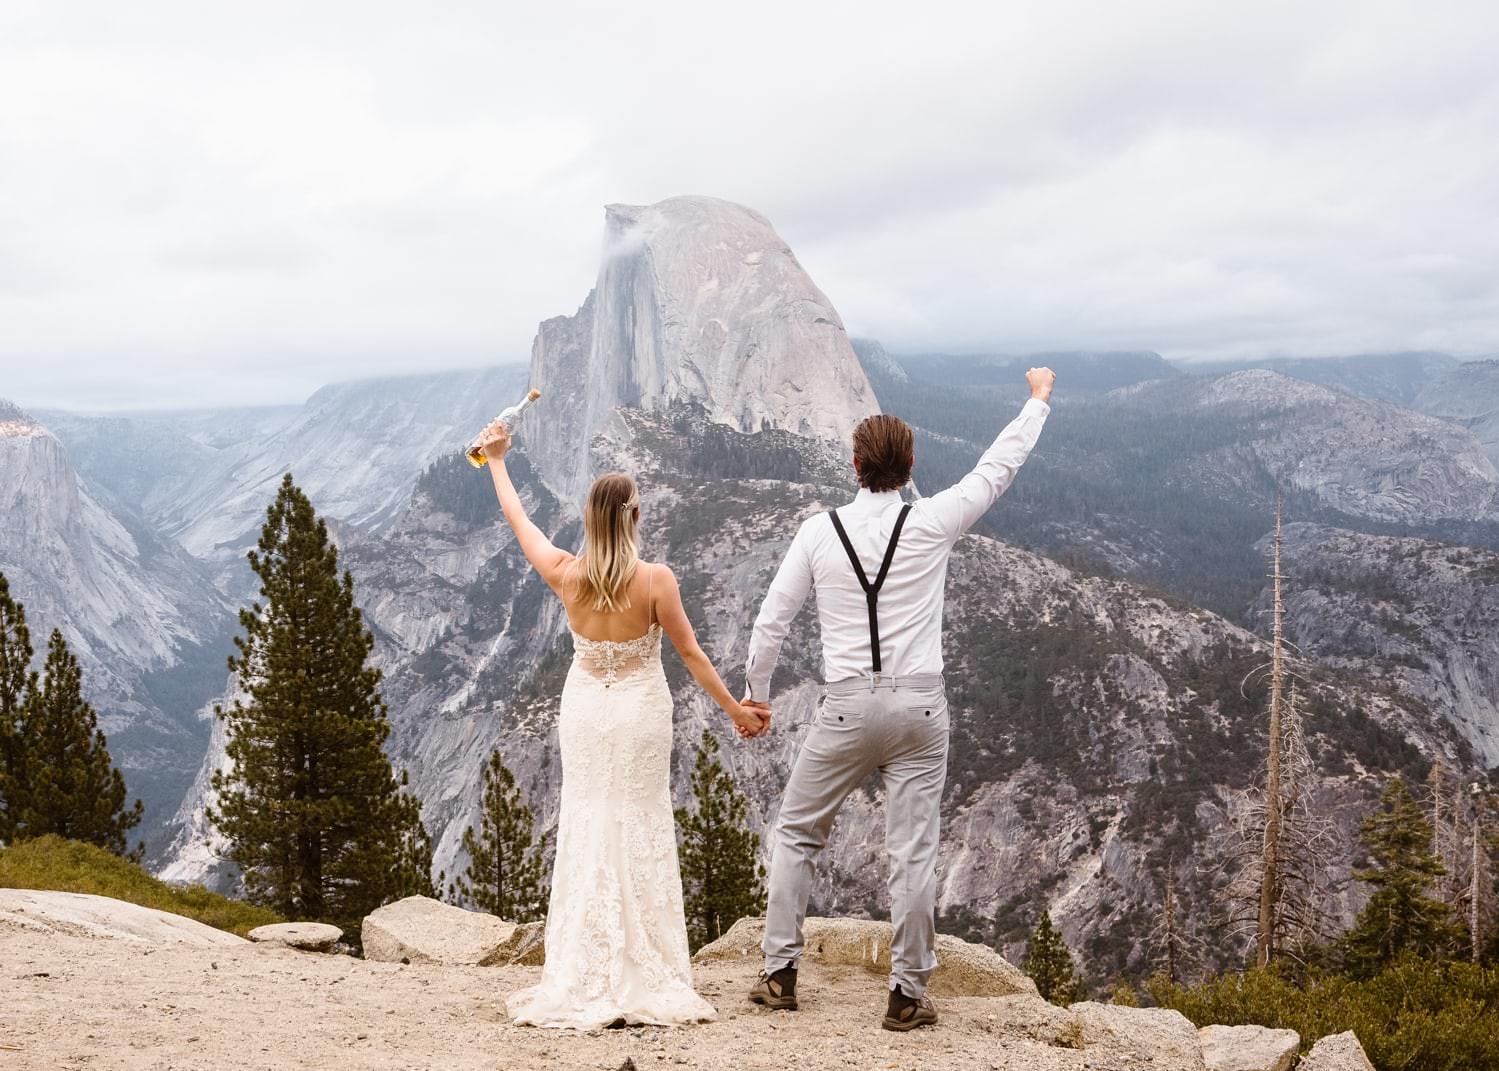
pixel 1041 380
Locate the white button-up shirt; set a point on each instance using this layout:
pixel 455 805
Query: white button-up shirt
pixel 910 602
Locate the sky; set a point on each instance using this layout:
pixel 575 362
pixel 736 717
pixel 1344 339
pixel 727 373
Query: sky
pixel 234 203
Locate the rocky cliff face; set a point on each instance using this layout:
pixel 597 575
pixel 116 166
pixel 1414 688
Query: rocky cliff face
pixel 1413 615
pixel 141 615
pixel 1467 395
pixel 357 448
pixel 698 300
pixel 1356 455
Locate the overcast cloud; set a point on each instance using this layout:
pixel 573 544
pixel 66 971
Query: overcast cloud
pixel 226 203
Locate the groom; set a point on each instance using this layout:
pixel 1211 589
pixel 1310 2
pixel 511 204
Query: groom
pixel 878 566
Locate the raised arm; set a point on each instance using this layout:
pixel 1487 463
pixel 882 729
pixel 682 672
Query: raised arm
pixel 962 504
pixel 673 617
pixel 547 559
pixel 793 580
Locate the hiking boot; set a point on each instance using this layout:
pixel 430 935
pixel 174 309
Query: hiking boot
pixel 776 990
pixel 907 1013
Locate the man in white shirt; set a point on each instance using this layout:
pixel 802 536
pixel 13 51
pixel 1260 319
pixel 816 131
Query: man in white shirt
pixel 879 567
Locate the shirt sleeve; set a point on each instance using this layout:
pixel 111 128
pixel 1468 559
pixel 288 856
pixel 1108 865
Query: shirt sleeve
pixel 788 591
pixel 961 505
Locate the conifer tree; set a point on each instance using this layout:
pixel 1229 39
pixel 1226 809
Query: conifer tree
pixel 506 875
pixel 1048 963
pixel 312 811
pixel 411 870
pixel 1400 917
pixel 722 879
pixel 17 685
pixel 71 788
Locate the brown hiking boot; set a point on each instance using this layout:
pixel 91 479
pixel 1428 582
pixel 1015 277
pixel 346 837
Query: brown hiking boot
pixel 907 1013
pixel 776 990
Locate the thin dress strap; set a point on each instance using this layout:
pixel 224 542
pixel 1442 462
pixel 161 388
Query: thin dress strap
pixel 650 603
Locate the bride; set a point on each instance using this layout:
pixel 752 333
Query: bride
pixel 616 938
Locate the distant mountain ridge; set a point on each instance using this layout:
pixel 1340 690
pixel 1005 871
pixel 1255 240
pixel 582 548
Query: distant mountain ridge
pixel 356 447
pixel 1088 371
pixel 1390 377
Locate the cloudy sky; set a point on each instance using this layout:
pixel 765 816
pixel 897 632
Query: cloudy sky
pixel 235 203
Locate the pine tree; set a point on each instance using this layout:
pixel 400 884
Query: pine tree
pixel 506 874
pixel 1400 917
pixel 1048 963
pixel 411 870
pixel 18 683
pixel 722 878
pixel 72 788
pixel 312 811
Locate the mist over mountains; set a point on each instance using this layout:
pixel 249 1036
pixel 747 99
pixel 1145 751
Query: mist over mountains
pixel 1102 618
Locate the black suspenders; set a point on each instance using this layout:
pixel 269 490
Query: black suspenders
pixel 872 591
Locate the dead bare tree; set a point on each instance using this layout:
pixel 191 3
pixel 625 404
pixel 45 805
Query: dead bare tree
pixel 1264 938
pixel 1275 850
pixel 1447 834
pixel 1302 884
pixel 1171 941
pixel 1170 929
pixel 1479 908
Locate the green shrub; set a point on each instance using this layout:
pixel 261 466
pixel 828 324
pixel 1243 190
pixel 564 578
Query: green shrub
pixel 1416 1015
pixel 54 864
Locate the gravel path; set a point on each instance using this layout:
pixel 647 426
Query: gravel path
pixel 88 1002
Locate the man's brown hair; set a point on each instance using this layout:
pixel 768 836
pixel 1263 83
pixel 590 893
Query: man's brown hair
pixel 885 449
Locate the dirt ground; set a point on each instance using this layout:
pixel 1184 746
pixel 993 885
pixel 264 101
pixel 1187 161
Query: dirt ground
pixel 70 1002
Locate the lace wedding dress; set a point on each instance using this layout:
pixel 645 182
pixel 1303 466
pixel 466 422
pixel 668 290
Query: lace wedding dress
pixel 616 938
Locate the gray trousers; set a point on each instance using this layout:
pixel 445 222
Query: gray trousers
pixel 900 728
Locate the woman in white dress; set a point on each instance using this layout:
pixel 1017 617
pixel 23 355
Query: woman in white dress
pixel 616 937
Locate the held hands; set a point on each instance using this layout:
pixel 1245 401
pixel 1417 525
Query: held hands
pixel 494 440
pixel 1041 380
pixel 751 718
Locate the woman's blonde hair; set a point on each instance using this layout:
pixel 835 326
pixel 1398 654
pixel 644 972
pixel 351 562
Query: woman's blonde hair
pixel 610 548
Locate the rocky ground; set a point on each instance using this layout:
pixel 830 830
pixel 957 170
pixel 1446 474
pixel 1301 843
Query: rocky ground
pixel 75 1001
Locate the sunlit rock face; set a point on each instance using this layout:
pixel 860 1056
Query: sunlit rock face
pixel 698 300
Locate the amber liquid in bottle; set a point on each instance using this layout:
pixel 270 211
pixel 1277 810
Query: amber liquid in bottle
pixel 510 417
